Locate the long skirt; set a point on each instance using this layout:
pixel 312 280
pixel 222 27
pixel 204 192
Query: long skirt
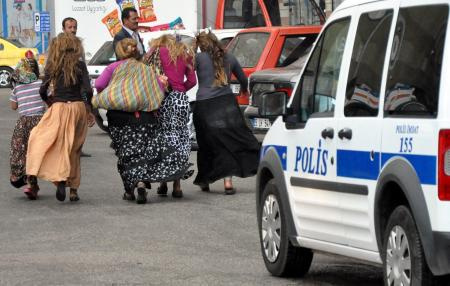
pixel 55 144
pixel 226 146
pixel 154 152
pixel 19 146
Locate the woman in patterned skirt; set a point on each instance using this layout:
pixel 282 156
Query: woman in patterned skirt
pixel 134 134
pixel 177 64
pixel 26 99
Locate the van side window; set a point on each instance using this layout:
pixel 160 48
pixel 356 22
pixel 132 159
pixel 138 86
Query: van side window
pixel 320 78
pixel 412 87
pixel 366 68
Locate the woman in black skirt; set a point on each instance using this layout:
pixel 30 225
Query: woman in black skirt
pixel 226 145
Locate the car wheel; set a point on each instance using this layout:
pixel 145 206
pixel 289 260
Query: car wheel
pixel 280 256
pixel 403 256
pixel 5 76
pixel 99 120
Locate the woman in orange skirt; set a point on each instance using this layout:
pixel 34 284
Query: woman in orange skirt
pixel 54 146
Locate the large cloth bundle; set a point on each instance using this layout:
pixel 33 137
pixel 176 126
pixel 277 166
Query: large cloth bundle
pixel 133 87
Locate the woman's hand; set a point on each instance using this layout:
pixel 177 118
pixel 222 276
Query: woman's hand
pixel 164 80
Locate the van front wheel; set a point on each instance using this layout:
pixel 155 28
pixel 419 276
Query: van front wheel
pixel 280 256
pixel 403 255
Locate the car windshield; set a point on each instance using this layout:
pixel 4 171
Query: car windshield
pixel 248 47
pixel 15 42
pixel 104 56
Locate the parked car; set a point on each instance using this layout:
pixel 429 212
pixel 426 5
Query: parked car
pixel 267 81
pixel 10 54
pixel 359 163
pixel 269 47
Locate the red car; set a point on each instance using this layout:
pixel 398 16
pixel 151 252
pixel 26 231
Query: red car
pixel 269 47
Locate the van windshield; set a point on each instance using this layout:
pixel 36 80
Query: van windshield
pixel 248 47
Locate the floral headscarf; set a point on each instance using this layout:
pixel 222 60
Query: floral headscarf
pixel 23 74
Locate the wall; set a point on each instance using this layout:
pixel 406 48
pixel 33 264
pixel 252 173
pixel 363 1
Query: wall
pixel 18 21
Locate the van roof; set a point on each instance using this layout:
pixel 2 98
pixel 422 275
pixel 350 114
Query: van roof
pixel 350 3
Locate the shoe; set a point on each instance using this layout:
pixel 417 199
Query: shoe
pixel 177 194
pixel 128 196
pixel 187 174
pixel 162 190
pixel 73 196
pixel 230 191
pixel 205 188
pixel 142 194
pixel 85 154
pixel 61 191
pixel 30 193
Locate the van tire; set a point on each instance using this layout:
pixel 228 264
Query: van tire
pixel 291 261
pixel 402 222
pixel 5 76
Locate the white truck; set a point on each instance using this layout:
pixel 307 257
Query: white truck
pixel 95 16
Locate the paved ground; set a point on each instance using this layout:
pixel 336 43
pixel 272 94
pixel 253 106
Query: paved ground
pixel 202 239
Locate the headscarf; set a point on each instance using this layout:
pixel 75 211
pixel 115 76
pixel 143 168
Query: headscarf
pixel 23 74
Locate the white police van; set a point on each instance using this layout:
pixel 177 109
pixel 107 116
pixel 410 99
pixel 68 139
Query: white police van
pixel 359 162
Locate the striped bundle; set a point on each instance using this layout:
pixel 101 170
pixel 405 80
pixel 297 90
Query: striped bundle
pixel 133 87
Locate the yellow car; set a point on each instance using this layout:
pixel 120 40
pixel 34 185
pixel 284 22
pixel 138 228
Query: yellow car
pixel 10 54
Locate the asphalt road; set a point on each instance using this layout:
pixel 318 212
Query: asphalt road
pixel 202 239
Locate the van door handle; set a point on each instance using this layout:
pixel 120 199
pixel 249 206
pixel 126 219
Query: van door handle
pixel 328 133
pixel 345 133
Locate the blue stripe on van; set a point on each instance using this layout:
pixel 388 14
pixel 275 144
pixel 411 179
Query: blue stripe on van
pixel 425 165
pixel 281 151
pixel 357 164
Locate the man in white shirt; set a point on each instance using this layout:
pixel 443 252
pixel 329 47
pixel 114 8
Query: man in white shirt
pixel 130 20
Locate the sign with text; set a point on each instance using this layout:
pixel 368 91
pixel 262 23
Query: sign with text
pixel 42 22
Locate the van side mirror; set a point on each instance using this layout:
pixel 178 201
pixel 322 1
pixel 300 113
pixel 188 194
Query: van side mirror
pixel 273 104
pixel 2 47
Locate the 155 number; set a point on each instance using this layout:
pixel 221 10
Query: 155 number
pixel 406 144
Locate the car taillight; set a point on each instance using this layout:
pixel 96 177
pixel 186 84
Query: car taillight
pixel 444 165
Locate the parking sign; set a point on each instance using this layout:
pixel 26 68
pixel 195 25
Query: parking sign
pixel 37 22
pixel 42 22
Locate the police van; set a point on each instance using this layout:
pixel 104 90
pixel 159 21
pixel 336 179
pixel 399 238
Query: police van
pixel 358 163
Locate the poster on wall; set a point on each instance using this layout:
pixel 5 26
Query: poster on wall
pixel 18 21
pixel 100 20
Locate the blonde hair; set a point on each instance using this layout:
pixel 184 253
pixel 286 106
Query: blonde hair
pixel 208 43
pixel 176 49
pixel 127 48
pixel 64 54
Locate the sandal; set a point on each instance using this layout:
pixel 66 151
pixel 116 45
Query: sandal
pixel 142 194
pixel 128 196
pixel 230 191
pixel 162 190
pixel 30 193
pixel 73 196
pixel 177 194
pixel 32 180
pixel 205 188
pixel 61 191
